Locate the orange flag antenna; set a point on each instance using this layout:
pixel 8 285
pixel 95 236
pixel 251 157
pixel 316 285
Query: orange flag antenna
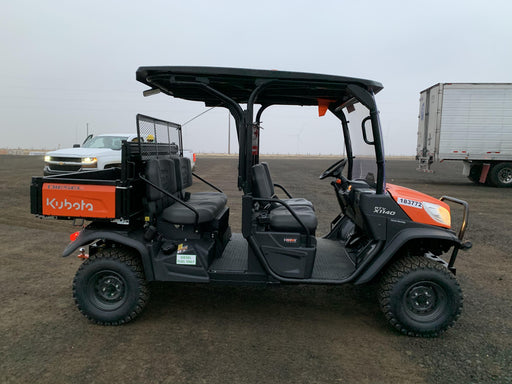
pixel 323 106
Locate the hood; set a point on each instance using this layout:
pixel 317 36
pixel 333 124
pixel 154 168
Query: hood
pixel 415 204
pixel 81 152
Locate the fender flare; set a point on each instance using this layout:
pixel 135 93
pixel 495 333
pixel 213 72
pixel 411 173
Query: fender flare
pixel 88 236
pixel 404 236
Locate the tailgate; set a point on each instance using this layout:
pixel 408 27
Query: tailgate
pixel 75 198
pixel 98 201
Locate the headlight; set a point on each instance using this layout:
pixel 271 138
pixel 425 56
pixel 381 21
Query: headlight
pixel 89 160
pixel 47 158
pixel 438 213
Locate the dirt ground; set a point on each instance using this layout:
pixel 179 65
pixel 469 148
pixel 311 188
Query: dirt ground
pixel 290 334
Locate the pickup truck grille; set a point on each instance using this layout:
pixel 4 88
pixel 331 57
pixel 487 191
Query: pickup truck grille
pixel 65 167
pixel 66 159
pixel 64 164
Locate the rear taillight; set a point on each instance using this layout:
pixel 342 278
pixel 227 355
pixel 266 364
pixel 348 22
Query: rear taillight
pixel 194 157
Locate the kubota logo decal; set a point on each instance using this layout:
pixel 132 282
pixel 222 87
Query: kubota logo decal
pixel 73 200
pixel 65 204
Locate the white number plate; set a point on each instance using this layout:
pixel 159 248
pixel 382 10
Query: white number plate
pixel 410 203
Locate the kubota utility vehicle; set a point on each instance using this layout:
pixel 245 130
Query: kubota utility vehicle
pixel 145 226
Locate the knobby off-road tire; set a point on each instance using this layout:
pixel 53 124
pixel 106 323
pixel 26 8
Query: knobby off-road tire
pixel 109 288
pixel 420 297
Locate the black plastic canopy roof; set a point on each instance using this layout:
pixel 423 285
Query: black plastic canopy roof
pixel 286 88
pixel 231 87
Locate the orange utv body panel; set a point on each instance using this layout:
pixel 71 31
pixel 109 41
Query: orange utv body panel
pixel 79 200
pixel 411 202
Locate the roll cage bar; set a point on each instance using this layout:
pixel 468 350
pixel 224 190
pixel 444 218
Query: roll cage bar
pixel 231 87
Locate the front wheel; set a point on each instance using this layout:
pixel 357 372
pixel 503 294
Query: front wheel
pixel 109 288
pixel 420 297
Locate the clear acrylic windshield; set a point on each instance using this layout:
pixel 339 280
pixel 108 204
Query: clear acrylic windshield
pixel 364 166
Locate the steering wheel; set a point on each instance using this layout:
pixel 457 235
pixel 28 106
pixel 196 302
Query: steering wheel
pixel 334 170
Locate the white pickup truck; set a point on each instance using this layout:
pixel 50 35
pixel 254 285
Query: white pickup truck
pixel 96 152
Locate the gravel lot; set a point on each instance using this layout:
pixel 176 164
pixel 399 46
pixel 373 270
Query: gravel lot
pixel 290 334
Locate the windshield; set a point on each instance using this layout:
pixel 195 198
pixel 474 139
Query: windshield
pixel 364 165
pixel 110 142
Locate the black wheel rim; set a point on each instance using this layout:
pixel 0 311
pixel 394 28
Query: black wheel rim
pixel 425 301
pixel 107 290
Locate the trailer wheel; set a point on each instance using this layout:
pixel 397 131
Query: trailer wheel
pixel 501 175
pixel 109 288
pixel 420 297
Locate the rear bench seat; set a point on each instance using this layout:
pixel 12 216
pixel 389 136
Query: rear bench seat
pixel 162 172
pixel 280 218
pixel 184 179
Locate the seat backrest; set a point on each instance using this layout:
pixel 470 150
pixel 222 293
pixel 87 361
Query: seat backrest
pixel 262 183
pixel 183 172
pixel 153 195
pixel 168 178
pixel 161 173
pixel 158 173
pixel 269 178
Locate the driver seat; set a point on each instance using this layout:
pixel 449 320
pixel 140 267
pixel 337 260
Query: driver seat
pixel 264 187
pixel 280 219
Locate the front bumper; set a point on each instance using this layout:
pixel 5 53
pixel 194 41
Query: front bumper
pixel 465 219
pixel 50 169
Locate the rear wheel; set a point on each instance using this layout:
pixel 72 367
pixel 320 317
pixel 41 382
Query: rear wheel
pixel 420 297
pixel 109 288
pixel 501 175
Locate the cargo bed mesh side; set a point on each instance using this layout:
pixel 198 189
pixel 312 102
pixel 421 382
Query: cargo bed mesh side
pixel 158 137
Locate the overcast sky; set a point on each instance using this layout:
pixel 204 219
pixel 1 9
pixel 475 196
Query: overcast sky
pixel 66 64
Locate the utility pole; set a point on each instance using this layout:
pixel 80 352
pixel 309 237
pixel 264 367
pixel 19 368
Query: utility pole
pixel 87 127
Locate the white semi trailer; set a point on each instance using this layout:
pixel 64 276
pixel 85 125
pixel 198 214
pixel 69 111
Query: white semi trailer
pixel 469 122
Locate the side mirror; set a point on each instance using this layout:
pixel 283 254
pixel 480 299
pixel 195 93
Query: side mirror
pixel 76 145
pixel 365 137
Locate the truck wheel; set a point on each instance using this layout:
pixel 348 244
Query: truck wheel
pixel 501 175
pixel 109 288
pixel 474 173
pixel 420 297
